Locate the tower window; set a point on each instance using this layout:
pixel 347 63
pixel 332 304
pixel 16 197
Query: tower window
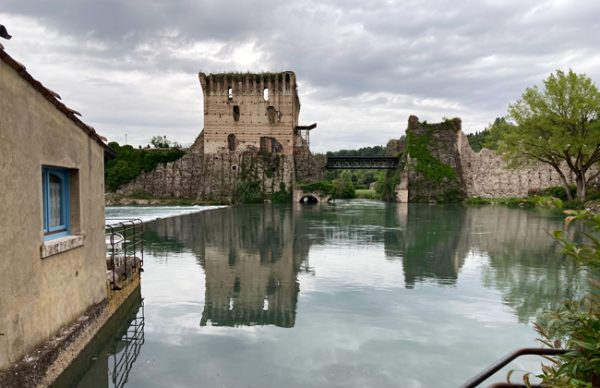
pixel 230 93
pixel 236 113
pixel 231 142
pixel 266 94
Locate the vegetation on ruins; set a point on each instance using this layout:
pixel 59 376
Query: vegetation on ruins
pixel 129 162
pixel 386 184
pixel 248 189
pixel 282 195
pixel 431 167
pixel 575 324
pixel 558 125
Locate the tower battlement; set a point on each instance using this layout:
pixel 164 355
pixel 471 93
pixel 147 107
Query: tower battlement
pixel 222 84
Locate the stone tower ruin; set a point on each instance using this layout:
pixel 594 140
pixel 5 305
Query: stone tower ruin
pixel 250 149
pixel 244 111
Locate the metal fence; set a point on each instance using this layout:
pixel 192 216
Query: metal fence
pixel 124 249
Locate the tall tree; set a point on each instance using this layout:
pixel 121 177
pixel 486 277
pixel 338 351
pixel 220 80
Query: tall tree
pixel 558 125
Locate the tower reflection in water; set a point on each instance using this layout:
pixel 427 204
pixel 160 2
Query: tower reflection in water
pixel 110 357
pixel 252 278
pixel 251 257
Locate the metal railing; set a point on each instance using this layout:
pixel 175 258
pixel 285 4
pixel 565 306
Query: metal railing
pixel 501 363
pixel 124 249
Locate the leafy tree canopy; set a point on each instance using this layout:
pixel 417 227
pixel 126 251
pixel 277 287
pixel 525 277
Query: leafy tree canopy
pixel 558 125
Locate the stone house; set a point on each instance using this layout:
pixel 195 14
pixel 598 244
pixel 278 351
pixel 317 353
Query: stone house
pixel 52 244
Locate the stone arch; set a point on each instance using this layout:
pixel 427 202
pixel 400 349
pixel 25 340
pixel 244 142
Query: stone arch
pixel 309 199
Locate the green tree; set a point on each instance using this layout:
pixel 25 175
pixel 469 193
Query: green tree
pixel 558 125
pixel 344 186
pixel 163 142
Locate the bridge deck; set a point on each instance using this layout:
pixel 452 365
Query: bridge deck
pixel 361 162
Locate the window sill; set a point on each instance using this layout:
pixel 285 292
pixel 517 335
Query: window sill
pixel 61 244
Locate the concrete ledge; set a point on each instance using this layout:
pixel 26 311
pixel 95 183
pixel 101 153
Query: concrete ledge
pixel 62 244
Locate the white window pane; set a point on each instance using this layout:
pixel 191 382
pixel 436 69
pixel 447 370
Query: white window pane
pixel 55 194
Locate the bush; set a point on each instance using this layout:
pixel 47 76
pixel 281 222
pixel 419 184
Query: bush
pixel 556 191
pixel 576 324
pixel 547 202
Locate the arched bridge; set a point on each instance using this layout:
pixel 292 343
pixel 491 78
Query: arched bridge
pixel 361 162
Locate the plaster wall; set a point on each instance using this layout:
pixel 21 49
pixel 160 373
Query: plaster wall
pixel 38 296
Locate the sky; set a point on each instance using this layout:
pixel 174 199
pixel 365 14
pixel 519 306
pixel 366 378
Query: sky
pixel 363 67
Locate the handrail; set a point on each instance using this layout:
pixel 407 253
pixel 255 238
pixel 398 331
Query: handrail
pixel 495 367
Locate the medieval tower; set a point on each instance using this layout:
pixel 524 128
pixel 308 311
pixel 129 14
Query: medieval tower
pixel 244 112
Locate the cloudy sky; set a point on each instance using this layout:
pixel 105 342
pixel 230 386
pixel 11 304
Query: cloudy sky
pixel 130 66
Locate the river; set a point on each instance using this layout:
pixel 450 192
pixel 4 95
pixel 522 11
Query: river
pixel 358 294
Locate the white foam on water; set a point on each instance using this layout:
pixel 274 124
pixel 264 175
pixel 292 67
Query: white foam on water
pixel 150 213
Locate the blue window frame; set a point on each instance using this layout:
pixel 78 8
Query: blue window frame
pixel 55 192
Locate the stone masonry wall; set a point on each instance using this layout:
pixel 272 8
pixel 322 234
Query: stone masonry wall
pixel 214 177
pixel 485 174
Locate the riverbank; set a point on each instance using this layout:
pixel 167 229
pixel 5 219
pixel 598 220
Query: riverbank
pixel 542 202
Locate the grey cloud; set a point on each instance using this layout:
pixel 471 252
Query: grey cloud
pixel 477 55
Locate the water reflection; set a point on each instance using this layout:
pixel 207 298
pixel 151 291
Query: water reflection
pixel 110 358
pixel 357 286
pixel 249 260
pixel 252 255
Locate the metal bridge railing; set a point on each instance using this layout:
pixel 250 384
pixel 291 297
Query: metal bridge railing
pixel 124 249
pixel 481 377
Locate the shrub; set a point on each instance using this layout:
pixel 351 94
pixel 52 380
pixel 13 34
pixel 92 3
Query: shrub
pixel 576 324
pixel 555 191
pixel 281 196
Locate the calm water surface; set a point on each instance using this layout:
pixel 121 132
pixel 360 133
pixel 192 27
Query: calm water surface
pixel 360 294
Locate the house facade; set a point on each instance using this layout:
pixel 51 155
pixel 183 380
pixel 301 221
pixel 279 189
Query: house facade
pixel 52 247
